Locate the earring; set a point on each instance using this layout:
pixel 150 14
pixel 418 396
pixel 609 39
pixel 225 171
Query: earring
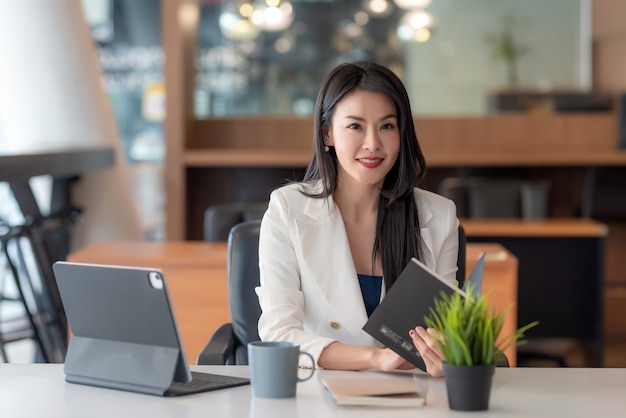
pixel 326 148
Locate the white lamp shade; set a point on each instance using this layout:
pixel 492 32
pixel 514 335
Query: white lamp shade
pixel 52 98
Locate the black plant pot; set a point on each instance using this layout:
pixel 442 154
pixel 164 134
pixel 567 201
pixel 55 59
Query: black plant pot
pixel 469 387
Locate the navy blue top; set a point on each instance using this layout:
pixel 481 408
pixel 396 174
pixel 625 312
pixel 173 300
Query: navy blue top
pixel 370 288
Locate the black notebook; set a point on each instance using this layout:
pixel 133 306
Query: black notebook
pixel 124 334
pixel 406 305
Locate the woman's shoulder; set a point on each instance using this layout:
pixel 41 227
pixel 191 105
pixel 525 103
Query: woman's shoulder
pixel 431 199
pixel 428 195
pixel 291 190
pixel 299 188
pixel 294 201
pixel 434 209
pixel 292 194
pixel 287 188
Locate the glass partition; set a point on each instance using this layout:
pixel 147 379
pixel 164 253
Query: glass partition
pixel 259 57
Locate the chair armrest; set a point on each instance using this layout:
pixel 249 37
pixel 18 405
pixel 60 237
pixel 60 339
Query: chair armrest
pixel 220 347
pixel 503 361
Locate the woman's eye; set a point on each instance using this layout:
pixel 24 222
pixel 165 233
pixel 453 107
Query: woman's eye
pixel 387 126
pixel 354 126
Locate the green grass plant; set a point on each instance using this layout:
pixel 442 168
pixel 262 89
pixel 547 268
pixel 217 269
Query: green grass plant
pixel 469 329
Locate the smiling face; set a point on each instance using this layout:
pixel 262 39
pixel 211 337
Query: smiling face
pixel 364 131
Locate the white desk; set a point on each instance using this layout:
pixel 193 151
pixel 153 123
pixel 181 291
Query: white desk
pixel 39 390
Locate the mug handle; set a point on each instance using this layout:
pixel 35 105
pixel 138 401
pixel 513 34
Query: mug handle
pixel 304 353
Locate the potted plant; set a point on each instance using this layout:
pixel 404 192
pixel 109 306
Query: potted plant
pixel 506 47
pixel 471 344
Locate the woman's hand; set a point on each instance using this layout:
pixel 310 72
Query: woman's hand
pixel 386 360
pixel 339 356
pixel 428 349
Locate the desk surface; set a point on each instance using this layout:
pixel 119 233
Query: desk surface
pixel 196 274
pixel 33 390
pixel 163 255
pixel 551 227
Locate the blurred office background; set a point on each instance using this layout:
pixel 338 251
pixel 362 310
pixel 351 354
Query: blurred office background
pixel 267 58
pixel 450 61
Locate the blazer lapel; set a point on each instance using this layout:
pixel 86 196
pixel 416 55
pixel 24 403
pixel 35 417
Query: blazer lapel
pixel 328 259
pixel 425 217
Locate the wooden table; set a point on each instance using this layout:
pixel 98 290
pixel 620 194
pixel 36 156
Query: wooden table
pixel 561 275
pixel 499 285
pixel 197 280
pixel 542 228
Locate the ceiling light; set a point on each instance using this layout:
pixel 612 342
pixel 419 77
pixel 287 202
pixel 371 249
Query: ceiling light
pixel 415 26
pixel 412 4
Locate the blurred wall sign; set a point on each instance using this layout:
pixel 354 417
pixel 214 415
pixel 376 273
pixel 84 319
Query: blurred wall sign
pixel 153 102
pixel 99 15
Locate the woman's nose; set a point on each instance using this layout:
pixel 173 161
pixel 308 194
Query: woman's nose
pixel 372 141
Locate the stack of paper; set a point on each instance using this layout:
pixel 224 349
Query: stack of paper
pixel 372 392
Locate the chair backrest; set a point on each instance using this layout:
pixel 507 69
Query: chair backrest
pixel 219 219
pixel 243 278
pixel 461 257
pixel 481 197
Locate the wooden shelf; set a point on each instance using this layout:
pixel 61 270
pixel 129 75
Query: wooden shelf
pixel 245 158
pixel 274 158
pixel 579 158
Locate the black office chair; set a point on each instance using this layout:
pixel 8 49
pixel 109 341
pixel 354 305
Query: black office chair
pixel 228 345
pixel 484 197
pixel 461 257
pixel 220 218
pixel 29 313
pixel 14 326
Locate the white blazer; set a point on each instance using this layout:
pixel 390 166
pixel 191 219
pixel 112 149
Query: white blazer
pixel 309 291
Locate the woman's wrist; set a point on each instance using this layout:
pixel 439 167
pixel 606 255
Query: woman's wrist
pixel 351 357
pixel 374 357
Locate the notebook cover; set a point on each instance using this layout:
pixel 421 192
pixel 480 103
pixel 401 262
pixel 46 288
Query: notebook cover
pixel 404 307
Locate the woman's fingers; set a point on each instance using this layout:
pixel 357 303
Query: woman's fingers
pixel 428 349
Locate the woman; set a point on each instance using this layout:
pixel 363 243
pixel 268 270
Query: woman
pixel 333 244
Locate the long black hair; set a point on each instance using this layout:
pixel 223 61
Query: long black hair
pixel 397 229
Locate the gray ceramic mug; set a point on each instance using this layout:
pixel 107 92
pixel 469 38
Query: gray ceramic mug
pixel 274 368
